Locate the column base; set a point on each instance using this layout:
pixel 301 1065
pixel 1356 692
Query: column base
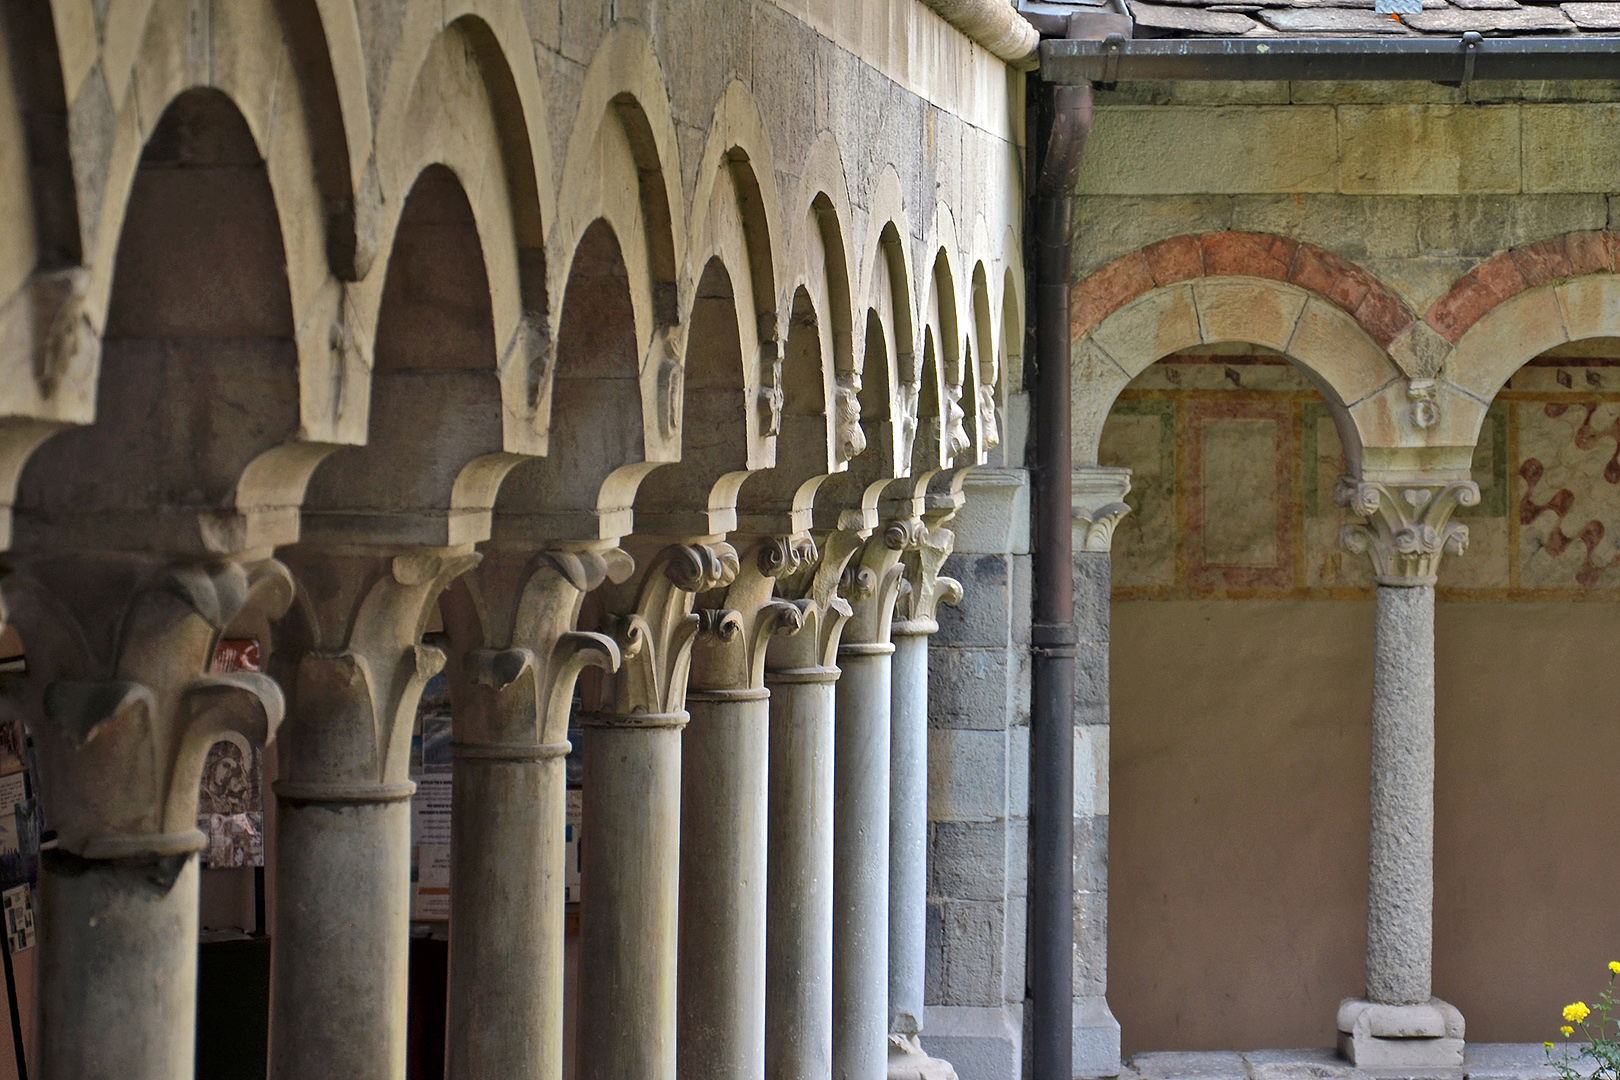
pixel 1402 1040
pixel 907 1061
pixel 1096 1037
pixel 983 1043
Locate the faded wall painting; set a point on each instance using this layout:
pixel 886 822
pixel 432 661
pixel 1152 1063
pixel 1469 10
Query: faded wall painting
pixel 1234 459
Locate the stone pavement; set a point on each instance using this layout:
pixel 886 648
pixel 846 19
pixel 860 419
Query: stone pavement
pixel 1481 1061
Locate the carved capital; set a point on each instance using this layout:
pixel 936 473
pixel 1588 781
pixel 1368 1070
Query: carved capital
pixel 1407 527
pixel 873 580
pixel 1099 504
pixel 118 693
pixel 813 589
pixel 352 654
pixel 925 588
pixel 515 650
pixel 651 617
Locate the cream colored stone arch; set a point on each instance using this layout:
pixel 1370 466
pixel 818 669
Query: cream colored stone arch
pixel 1511 334
pixel 886 288
pixel 623 167
pixel 155 51
pixel 737 218
pixel 948 317
pixel 1354 375
pixel 451 114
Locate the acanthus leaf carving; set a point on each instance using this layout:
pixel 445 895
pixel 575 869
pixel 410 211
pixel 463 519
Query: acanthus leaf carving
pixel 1098 495
pixel 1408 526
pixel 918 604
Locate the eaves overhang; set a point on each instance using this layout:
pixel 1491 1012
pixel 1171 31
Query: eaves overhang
pixel 1339 59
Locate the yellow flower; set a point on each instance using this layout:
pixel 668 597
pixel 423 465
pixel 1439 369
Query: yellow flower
pixel 1548 1045
pixel 1614 966
pixel 1577 1012
pixel 1566 1031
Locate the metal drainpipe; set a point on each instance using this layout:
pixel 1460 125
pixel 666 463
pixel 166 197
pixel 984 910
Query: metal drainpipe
pixel 1062 120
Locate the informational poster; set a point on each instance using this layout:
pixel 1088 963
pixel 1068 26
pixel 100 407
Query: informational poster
pixel 18 904
pixel 230 804
pixel 430 806
pixel 576 804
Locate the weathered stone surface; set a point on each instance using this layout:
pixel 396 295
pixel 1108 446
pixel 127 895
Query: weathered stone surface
pixel 1487 21
pixel 1330 21
pixel 1587 16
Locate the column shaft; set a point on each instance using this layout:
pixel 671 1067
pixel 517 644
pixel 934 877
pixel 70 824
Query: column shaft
pixel 861 864
pixel 724 763
pixel 799 924
pixel 629 883
pixel 908 834
pixel 1400 882
pixel 341 945
pixel 118 968
pixel 506 912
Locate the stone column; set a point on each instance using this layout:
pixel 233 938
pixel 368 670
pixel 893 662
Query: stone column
pixel 515 659
pixel 1399 1025
pixel 801 675
pixel 352 655
pixel 908 804
pixel 861 818
pixel 724 770
pixel 630 865
pixel 1099 504
pixel 123 712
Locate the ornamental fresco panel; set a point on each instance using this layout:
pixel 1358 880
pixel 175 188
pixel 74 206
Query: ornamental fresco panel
pixel 1235 457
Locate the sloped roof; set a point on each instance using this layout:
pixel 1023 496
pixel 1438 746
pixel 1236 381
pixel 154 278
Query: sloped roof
pixel 1357 18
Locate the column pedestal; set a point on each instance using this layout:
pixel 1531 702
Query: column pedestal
pixel 337 1005
pixel 799 879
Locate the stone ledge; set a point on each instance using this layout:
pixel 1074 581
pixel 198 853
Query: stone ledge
pixel 1481 1061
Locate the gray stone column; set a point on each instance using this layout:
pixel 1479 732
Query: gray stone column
pixel 724 808
pixel 121 760
pixel 1399 1025
pixel 861 814
pixel 515 659
pixel 801 676
pixel 908 806
pixel 630 866
pixel 1099 495
pixel 340 945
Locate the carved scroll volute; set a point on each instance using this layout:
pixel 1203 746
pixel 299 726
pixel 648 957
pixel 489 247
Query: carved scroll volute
pixel 1408 527
pixel 917 607
pixel 118 696
pixel 812 587
pixel 652 621
pixel 519 690
pixel 872 582
pixel 734 636
pixel 357 660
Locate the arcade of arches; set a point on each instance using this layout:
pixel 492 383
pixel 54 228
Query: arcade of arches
pixel 516 559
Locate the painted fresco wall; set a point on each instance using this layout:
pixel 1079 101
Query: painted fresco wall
pixel 1241 688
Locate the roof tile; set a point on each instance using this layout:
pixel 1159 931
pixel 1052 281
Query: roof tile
pixel 1457 21
pixel 1594 16
pixel 1195 20
pixel 1332 21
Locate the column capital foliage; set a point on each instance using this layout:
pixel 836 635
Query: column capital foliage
pixel 871 582
pixel 923 587
pixel 1099 494
pixel 118 693
pixel 1408 526
pixel 734 635
pixel 352 651
pixel 516 652
pixel 812 587
pixel 651 618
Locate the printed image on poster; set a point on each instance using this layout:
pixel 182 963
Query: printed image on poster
pixel 18 904
pixel 430 806
pixel 230 804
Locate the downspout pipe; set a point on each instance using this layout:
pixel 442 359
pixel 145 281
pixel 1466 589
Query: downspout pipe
pixel 1062 119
